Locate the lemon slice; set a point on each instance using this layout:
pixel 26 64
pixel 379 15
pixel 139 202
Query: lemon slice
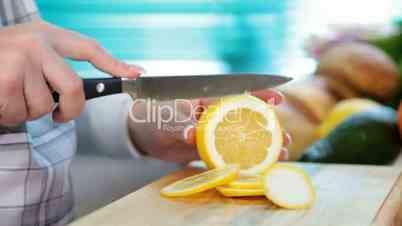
pixel 240 130
pixel 201 182
pixel 247 182
pixel 289 187
pixel 239 192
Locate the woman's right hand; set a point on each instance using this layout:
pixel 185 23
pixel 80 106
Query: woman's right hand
pixel 33 66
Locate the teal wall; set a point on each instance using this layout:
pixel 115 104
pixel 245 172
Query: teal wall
pixel 245 35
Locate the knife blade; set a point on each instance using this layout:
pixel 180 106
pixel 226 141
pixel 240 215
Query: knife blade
pixel 181 87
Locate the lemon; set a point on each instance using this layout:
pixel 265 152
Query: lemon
pixel 241 130
pixel 201 182
pixel 289 187
pixel 247 182
pixel 239 192
pixel 342 111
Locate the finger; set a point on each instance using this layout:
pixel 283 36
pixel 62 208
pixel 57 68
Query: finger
pixel 270 96
pixel 284 155
pixel 13 110
pixel 189 135
pixel 12 101
pixel 38 97
pixel 200 105
pixel 65 82
pixel 73 45
pixel 287 139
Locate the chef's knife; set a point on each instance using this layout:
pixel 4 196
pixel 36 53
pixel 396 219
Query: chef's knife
pixel 181 87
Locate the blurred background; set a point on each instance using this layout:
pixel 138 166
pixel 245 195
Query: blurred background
pixel 290 37
pixel 211 36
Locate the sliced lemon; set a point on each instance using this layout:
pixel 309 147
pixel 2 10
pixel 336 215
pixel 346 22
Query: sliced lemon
pixel 247 182
pixel 241 130
pixel 201 182
pixel 289 187
pixel 239 192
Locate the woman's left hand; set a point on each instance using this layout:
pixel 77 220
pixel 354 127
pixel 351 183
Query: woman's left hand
pixel 174 140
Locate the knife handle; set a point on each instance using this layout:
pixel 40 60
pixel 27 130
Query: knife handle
pixel 97 87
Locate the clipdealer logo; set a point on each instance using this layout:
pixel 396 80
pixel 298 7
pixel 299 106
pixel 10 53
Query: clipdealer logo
pixel 177 114
pixel 166 115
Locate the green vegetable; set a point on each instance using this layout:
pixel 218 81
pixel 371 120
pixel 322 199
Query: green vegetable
pixel 369 137
pixel 392 45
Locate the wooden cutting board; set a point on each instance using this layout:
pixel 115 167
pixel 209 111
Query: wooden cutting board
pixel 347 196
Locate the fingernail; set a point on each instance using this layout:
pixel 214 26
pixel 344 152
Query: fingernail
pixel 271 101
pixel 281 97
pixel 137 69
pixel 288 139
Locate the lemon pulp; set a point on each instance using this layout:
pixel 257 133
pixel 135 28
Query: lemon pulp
pixel 242 133
pixel 241 130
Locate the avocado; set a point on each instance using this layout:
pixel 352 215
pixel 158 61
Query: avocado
pixel 368 137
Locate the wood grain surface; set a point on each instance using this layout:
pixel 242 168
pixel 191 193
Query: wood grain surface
pixel 390 213
pixel 348 195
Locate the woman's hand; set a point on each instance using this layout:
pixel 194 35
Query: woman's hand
pixel 31 56
pixel 155 133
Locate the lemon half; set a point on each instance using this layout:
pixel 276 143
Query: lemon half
pixel 201 182
pixel 242 130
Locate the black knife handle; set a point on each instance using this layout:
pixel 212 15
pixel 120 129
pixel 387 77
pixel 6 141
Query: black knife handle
pixel 98 87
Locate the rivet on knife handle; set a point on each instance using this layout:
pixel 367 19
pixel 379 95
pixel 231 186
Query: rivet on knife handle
pixel 97 88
